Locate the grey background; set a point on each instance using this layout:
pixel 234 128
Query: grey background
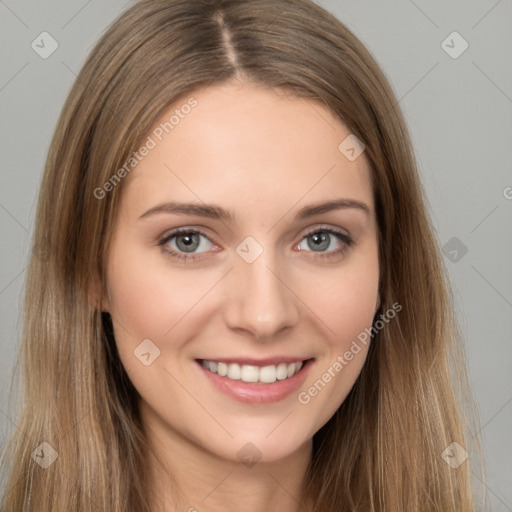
pixel 459 111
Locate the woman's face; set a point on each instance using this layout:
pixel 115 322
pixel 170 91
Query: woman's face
pixel 260 280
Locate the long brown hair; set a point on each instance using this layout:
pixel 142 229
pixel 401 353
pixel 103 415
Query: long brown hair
pixel 383 449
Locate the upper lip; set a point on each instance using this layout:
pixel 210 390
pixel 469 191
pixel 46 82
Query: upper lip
pixel 267 361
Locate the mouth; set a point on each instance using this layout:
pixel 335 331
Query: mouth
pixel 251 373
pixel 257 382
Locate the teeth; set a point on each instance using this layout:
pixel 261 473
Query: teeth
pixel 234 371
pixel 268 374
pixel 250 373
pixel 282 371
pixel 222 369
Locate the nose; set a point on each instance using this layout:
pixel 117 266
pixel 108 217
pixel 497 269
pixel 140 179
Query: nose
pixel 259 299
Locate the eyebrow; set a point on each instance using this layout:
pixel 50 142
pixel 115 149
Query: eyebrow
pixel 212 211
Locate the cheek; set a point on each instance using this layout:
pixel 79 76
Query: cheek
pixel 145 298
pixel 351 307
pixel 149 302
pixel 345 302
pixel 346 299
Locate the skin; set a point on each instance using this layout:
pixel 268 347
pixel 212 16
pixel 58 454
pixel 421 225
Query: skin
pixel 263 155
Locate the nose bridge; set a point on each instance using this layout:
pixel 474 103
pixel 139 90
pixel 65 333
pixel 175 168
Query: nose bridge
pixel 259 301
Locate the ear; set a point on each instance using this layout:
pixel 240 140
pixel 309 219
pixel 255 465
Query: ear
pixel 97 296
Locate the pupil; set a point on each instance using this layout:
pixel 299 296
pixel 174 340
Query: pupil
pixel 187 242
pixel 320 240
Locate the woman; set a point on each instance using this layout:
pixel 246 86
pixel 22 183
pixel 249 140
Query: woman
pixel 236 299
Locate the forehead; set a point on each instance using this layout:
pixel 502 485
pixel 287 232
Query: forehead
pixel 247 146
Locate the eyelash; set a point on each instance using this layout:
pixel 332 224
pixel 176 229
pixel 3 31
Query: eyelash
pixel 347 241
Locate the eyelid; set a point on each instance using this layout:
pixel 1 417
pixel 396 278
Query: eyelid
pixel 181 230
pixel 326 227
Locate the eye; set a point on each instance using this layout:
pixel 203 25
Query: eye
pixel 186 244
pixel 183 244
pixel 328 242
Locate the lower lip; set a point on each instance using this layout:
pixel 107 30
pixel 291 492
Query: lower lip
pixel 255 393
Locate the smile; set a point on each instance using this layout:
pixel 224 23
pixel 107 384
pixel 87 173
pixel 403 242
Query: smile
pixel 251 373
pixel 256 382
